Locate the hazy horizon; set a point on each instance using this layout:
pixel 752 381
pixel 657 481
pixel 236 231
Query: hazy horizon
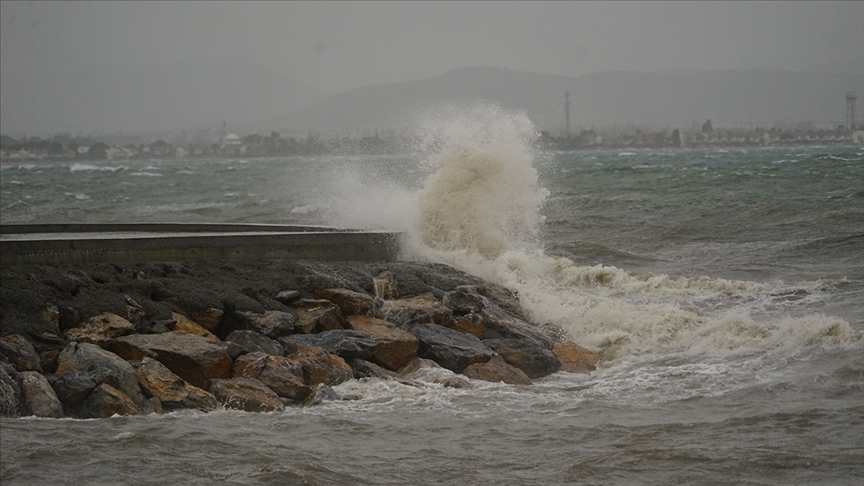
pixel 54 55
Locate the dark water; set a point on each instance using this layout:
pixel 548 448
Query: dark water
pixel 725 287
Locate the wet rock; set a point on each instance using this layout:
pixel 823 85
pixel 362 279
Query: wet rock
pixel 320 366
pixel 471 323
pixel 71 388
pixel 183 323
pixel 575 358
pixel 465 300
pixel 349 302
pixel 20 353
pixel 254 341
pixel 314 316
pixel 320 393
pixel 395 347
pixel 287 296
pixel 246 394
pixel 172 392
pixel 10 391
pixel 234 350
pixel 534 359
pixel 208 318
pixel 280 374
pixel 38 397
pixel 385 285
pixel 421 309
pixel 272 324
pixel 497 370
pixel 366 369
pixel 193 358
pixel 106 401
pixel 101 366
pixel 101 329
pixel 68 318
pixel 418 364
pixel 48 360
pixel 454 382
pixel 451 349
pixel 346 343
pixel 502 298
pixel 499 324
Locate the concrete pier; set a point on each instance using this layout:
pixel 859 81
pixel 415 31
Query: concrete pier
pixel 134 242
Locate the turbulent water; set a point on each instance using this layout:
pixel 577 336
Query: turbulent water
pixel 724 287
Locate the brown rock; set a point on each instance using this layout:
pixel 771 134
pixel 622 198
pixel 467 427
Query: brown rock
pixel 101 329
pixel 106 401
pixel 172 391
pixel 417 364
pixel 39 398
pixel 348 301
pixel 183 323
pixel 397 347
pixel 320 366
pixel 366 369
pixel 314 316
pixel 253 341
pixel 421 309
pixel 471 323
pixel 280 374
pixel 497 370
pixel 385 285
pixel 246 394
pixel 208 318
pixel 575 358
pixel 20 353
pixel 193 358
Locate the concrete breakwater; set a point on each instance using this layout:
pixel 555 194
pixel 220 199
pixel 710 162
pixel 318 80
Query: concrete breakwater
pixel 94 340
pixel 131 242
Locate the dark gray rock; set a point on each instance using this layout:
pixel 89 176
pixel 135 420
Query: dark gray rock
pixel 272 324
pixel 499 324
pixel 320 393
pixel 534 359
pixel 10 391
pixel 451 349
pixel 367 369
pixel 287 296
pixel 71 388
pixel 347 343
pixel 101 366
pixel 20 353
pixel 254 341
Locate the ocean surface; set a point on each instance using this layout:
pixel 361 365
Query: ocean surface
pixel 724 287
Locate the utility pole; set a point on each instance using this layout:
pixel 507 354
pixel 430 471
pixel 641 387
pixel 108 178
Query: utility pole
pixel 567 110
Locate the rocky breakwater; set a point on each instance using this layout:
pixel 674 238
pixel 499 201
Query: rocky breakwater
pixel 98 340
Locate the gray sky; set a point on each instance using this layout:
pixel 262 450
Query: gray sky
pixel 339 46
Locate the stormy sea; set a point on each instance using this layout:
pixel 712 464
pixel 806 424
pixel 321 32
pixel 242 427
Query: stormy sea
pixel 724 289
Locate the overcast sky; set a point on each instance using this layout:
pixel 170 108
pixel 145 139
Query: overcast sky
pixel 338 46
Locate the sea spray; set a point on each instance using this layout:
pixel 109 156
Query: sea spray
pixel 480 211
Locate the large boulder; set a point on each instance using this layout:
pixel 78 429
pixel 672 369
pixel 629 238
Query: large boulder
pixel 183 323
pixel 38 396
pixel 272 323
pixel 575 358
pixel 348 301
pixel 20 353
pixel 101 329
pixel 314 316
pixel 451 349
pixel 395 348
pixel 246 394
pixel 497 370
pixel 534 359
pixel 172 391
pixel 72 389
pixel 253 341
pixel 193 358
pixel 101 366
pixel 500 324
pixel 319 366
pixel 106 401
pixel 420 309
pixel 347 343
pixel 280 374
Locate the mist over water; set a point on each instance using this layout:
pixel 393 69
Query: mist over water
pixel 723 288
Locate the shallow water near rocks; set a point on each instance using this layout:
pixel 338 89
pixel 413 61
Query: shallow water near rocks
pixel 724 287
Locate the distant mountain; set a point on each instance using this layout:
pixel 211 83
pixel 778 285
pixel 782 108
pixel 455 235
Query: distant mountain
pixel 734 97
pixel 175 96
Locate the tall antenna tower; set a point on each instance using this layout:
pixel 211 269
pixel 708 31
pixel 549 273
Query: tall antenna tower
pixel 567 110
pixel 851 96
